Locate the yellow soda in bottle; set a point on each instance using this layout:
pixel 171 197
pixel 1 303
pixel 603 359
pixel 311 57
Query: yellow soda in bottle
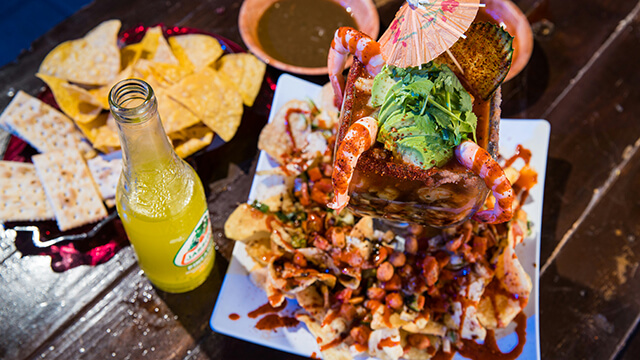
pixel 160 198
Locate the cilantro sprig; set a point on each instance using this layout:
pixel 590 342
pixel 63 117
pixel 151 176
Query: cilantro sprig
pixel 425 109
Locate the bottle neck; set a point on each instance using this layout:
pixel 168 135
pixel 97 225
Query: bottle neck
pixel 144 143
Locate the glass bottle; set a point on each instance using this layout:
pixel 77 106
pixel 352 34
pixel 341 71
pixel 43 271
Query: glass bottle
pixel 160 198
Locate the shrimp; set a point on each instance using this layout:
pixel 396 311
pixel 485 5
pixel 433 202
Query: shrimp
pixel 347 41
pixel 478 160
pixel 360 137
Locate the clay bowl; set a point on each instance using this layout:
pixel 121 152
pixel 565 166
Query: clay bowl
pixel 508 15
pixel 364 13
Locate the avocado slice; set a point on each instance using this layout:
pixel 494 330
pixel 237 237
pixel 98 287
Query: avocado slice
pixel 381 86
pixel 424 151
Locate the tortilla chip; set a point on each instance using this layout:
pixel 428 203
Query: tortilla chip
pixel 142 70
pixel 92 60
pixel 247 224
pixel 259 251
pixel 326 334
pixel 497 311
pixel 198 49
pixel 107 140
pixel 213 99
pixel 169 73
pixel 182 57
pixel 90 129
pixel 102 132
pixel 173 115
pixel 101 94
pixel 130 54
pixel 246 72
pixel 156 48
pixel 189 141
pixel 273 138
pixel 76 102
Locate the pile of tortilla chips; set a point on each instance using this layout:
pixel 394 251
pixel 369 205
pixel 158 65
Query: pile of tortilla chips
pixel 200 90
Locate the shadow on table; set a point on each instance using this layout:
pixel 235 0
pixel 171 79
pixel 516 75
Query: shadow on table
pixel 525 89
pixel 194 310
pixel 557 175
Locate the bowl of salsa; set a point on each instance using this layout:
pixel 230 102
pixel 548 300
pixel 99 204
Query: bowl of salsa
pixel 295 35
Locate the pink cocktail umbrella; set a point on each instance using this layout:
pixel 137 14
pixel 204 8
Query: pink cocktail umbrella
pixel 424 29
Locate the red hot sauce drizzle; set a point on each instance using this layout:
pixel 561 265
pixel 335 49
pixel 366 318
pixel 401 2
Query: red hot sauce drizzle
pixel 528 177
pixel 274 321
pixel 295 151
pixel 288 125
pixel 267 309
pixel 234 316
pixel 329 345
pixel 387 342
pixel 521 153
pixel 490 350
pixel 441 355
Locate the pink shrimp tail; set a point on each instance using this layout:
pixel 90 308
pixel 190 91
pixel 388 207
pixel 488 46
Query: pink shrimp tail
pixel 347 40
pixel 360 136
pixel 478 161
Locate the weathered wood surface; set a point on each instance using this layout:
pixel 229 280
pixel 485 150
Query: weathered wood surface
pixel 583 78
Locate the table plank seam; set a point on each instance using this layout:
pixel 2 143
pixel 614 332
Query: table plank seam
pixel 186 18
pixel 623 341
pixel 598 194
pixel 532 9
pixel 622 25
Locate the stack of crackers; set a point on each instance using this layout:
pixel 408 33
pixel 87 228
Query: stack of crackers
pixel 59 183
pixel 200 92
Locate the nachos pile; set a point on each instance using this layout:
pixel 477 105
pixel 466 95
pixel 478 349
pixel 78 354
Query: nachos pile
pixel 365 288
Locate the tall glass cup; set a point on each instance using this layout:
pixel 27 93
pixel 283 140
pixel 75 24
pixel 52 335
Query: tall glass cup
pixel 388 189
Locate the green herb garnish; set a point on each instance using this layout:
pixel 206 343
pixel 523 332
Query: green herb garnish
pixel 260 206
pixel 424 113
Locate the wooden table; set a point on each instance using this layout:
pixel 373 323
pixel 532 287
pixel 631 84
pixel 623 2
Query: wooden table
pixel 583 78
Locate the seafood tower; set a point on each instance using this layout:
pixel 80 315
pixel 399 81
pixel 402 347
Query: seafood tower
pixel 418 132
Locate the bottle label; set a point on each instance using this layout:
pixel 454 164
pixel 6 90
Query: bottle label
pixel 194 249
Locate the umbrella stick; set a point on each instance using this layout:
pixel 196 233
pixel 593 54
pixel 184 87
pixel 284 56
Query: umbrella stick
pixel 452 30
pixel 455 61
pixel 471 5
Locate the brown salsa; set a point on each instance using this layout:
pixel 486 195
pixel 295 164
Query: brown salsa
pixel 299 32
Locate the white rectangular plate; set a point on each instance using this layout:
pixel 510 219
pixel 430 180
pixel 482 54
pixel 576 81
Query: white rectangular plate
pixel 239 296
